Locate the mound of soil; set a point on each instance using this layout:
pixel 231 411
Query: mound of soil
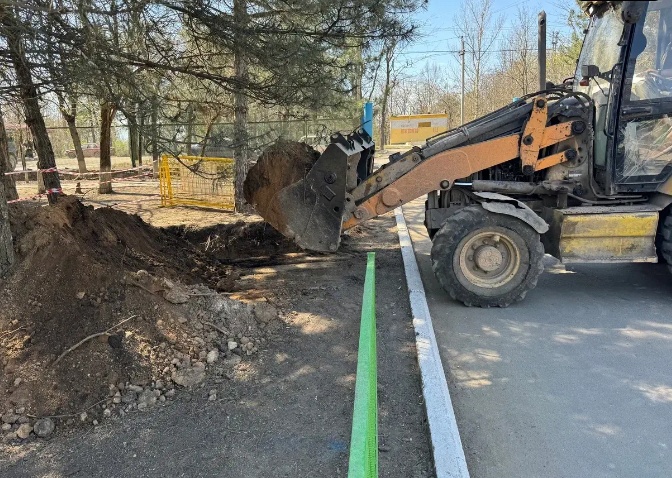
pixel 279 166
pixel 82 271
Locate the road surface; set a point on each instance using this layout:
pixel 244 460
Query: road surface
pixel 575 381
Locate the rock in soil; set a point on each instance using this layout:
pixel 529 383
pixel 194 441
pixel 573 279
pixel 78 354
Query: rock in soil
pixel 212 356
pixel 44 427
pixel 176 295
pixel 24 431
pixel 189 376
pixel 9 418
pixel 146 399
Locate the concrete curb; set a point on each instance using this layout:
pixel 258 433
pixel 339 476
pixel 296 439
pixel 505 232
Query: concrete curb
pixel 449 460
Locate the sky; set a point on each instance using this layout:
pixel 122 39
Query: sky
pixel 438 30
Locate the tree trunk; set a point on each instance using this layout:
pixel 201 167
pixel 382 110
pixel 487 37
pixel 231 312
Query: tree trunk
pixel 141 127
pixel 6 166
pixel 6 243
pixel 133 139
pixel 155 138
pixel 386 94
pixel 190 128
pixel 70 118
pixel 107 111
pixel 240 136
pixel 29 97
pixel 77 142
pixel 92 130
pixel 208 132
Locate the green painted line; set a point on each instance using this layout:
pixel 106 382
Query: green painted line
pixel 364 441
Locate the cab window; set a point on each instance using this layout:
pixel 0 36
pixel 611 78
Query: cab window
pixel 650 64
pixel 600 47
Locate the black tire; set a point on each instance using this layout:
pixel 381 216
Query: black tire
pixel 664 245
pixel 506 263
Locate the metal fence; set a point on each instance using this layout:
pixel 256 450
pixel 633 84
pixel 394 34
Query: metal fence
pixel 190 138
pixel 217 139
pixel 197 181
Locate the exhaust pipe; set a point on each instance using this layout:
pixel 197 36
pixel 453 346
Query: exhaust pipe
pixel 541 50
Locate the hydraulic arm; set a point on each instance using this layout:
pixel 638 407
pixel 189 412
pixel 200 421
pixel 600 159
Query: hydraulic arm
pixel 538 131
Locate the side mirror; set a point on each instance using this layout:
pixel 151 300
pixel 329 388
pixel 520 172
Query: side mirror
pixel 588 72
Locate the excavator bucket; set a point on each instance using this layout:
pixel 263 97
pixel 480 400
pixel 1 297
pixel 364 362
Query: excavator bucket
pixel 309 207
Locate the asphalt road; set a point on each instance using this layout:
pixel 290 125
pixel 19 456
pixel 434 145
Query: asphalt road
pixel 575 381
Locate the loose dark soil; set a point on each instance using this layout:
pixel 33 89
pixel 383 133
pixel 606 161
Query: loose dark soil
pixel 286 413
pixel 284 410
pixel 240 242
pixel 71 280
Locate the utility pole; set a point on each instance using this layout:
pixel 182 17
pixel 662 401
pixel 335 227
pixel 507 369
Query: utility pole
pixel 541 50
pixel 462 92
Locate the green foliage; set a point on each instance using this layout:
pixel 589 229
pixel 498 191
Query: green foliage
pixel 176 57
pixel 119 146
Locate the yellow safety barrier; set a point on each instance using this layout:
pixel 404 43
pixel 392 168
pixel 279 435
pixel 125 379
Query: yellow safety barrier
pixel 197 181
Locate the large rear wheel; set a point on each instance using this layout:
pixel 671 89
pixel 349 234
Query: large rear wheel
pixel 486 259
pixel 664 240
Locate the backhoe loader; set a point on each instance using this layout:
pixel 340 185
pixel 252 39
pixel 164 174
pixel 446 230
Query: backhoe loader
pixel 580 170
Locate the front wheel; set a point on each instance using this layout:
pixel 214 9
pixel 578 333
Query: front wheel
pixel 486 259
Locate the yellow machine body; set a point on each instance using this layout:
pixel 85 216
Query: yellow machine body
pixel 603 235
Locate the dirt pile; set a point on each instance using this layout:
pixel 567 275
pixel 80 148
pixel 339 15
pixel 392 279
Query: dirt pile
pixel 104 314
pixel 280 165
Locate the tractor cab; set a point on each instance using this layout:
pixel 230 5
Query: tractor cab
pixel 625 66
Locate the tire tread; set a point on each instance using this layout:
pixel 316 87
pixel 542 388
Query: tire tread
pixel 665 244
pixel 445 242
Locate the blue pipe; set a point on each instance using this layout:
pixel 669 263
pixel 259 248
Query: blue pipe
pixel 367 118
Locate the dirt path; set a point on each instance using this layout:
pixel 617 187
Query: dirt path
pixel 287 413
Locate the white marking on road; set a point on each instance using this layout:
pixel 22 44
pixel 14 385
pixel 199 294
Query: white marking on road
pixel 449 460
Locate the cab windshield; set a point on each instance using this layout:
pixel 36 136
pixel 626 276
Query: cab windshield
pixel 601 45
